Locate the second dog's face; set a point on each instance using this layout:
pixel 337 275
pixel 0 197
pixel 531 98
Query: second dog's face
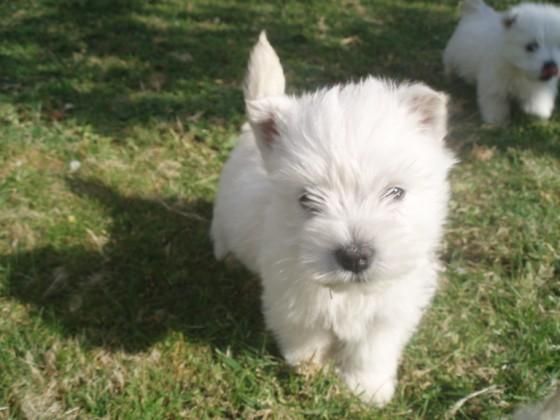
pixel 532 40
pixel 359 181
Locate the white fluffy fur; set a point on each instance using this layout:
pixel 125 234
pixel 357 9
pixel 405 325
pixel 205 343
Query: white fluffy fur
pixel 347 144
pixel 489 48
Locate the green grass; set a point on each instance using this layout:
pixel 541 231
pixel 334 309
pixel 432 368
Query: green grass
pixel 111 304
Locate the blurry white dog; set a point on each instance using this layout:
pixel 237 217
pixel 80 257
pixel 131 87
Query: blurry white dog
pixel 511 55
pixel 337 199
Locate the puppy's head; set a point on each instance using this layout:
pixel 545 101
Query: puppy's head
pixel 359 176
pixel 532 40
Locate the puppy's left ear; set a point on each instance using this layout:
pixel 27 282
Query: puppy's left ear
pixel 429 106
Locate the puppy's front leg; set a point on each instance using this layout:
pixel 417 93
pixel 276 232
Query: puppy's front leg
pixel 369 367
pixel 492 96
pixel 494 106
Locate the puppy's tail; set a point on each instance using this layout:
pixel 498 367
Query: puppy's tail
pixel 470 7
pixel 265 76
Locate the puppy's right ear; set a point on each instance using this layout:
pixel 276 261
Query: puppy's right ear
pixel 267 117
pixel 428 106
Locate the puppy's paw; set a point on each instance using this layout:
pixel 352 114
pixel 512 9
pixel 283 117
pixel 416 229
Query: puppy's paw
pixel 371 388
pixel 309 369
pixel 305 359
pixel 301 346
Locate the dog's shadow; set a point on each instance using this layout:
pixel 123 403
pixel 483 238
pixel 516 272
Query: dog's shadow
pixel 151 273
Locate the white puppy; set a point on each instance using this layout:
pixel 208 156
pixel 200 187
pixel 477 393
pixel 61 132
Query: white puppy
pixel 511 55
pixel 337 200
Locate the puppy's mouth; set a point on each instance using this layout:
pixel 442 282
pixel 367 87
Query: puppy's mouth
pixel 340 278
pixel 359 278
pixel 548 72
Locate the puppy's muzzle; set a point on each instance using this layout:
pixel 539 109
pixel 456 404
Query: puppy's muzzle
pixel 354 257
pixel 549 70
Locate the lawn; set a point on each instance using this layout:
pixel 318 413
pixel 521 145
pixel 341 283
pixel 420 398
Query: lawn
pixel 115 119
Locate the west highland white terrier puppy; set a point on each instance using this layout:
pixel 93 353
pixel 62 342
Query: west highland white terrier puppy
pixel 511 55
pixel 337 199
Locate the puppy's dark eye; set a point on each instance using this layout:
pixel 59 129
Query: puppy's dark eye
pixel 311 202
pixel 532 46
pixel 394 193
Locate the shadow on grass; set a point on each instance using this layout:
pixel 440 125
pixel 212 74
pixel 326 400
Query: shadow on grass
pixel 154 274
pixel 113 64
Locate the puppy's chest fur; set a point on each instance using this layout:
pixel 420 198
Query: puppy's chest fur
pixel 349 314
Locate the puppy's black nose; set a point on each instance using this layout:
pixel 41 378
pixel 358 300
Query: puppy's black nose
pixel 549 70
pixel 354 257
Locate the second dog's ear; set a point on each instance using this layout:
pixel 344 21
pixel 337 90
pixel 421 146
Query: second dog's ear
pixel 509 19
pixel 429 106
pixel 267 119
